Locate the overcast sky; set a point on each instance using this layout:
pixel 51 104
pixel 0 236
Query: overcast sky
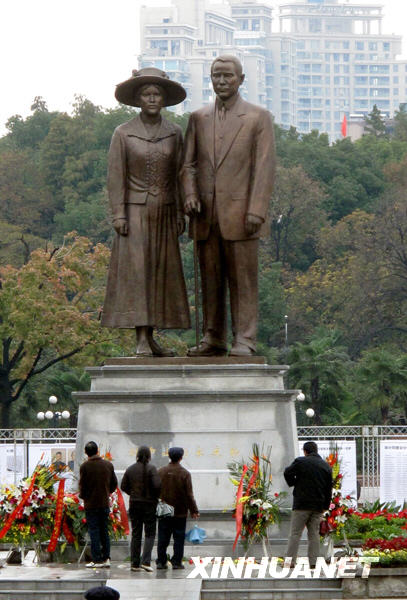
pixel 58 48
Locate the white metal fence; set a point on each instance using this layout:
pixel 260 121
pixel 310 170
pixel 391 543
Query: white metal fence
pixel 367 439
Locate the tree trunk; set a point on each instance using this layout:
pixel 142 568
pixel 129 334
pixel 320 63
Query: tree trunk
pixel 6 399
pixel 315 399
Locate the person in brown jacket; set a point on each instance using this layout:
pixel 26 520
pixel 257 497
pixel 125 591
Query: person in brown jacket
pixel 176 490
pixel 97 480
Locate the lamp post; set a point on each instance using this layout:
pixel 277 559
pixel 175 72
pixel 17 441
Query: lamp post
pixel 55 416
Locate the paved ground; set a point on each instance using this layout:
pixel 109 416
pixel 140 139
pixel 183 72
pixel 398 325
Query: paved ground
pixel 159 585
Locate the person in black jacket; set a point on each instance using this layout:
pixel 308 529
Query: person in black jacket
pixel 311 477
pixel 142 483
pixel 97 480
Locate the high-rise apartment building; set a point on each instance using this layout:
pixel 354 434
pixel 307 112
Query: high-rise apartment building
pixel 323 59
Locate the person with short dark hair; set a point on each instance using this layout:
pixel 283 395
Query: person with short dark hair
pixel 142 483
pixel 97 480
pixel 311 477
pixel 176 490
pixel 102 592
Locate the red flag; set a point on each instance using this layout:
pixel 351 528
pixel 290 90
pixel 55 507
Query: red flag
pixel 344 127
pixel 239 506
pixel 59 510
pixel 123 513
pixel 19 508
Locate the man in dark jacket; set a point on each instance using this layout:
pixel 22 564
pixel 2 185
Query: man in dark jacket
pixel 176 490
pixel 142 483
pixel 311 477
pixel 97 480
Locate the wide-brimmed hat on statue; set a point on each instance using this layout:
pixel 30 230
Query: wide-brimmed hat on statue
pixel 126 91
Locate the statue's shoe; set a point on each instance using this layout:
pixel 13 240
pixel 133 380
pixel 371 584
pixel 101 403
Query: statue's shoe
pixel 158 350
pixel 241 350
pixel 205 349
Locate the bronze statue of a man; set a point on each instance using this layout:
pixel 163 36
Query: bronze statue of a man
pixel 227 179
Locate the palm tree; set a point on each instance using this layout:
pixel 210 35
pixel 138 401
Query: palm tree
pixel 382 372
pixel 319 367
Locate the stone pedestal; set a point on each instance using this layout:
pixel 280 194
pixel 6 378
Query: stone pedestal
pixel 214 408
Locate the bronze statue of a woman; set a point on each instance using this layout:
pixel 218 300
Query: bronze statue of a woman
pixel 146 287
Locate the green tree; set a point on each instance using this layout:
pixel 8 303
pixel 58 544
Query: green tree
pixel 296 216
pixel 319 368
pixel 382 380
pixel 400 123
pixel 48 313
pixel 374 123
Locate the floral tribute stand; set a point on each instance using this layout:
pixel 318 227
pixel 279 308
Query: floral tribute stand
pixel 37 514
pixel 335 517
pixel 214 407
pixel 256 506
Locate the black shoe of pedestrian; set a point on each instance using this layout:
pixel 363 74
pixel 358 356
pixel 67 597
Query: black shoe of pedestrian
pixel 162 567
pixel 177 566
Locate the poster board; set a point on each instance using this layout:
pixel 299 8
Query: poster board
pixel 12 463
pixel 393 471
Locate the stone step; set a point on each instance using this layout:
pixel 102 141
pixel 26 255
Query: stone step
pixel 46 589
pixel 271 589
pixel 50 584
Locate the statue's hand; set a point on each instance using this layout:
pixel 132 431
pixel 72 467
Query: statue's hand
pixel 252 224
pixel 121 226
pixel 180 224
pixel 192 205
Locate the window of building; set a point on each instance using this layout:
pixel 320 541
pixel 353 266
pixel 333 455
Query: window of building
pixel 373 57
pixel 315 25
pixel 361 68
pixel 372 45
pixel 396 91
pixel 359 57
pixel 360 45
pixel 300 45
pixel 361 80
pixel 345 45
pixel 327 103
pixel 395 80
pixel 386 46
pixel 336 57
pixel 317 68
pixel 395 68
pixel 175 47
pixel 255 24
pixel 161 45
pixel 360 104
pixel 345 57
pixel 360 92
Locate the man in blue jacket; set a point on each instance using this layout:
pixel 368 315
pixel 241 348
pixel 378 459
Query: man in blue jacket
pixel 311 477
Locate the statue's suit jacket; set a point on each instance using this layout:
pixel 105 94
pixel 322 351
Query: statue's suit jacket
pixel 242 177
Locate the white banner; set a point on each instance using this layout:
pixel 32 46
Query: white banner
pixel 393 471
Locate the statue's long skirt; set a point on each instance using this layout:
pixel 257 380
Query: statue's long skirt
pixel 146 285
